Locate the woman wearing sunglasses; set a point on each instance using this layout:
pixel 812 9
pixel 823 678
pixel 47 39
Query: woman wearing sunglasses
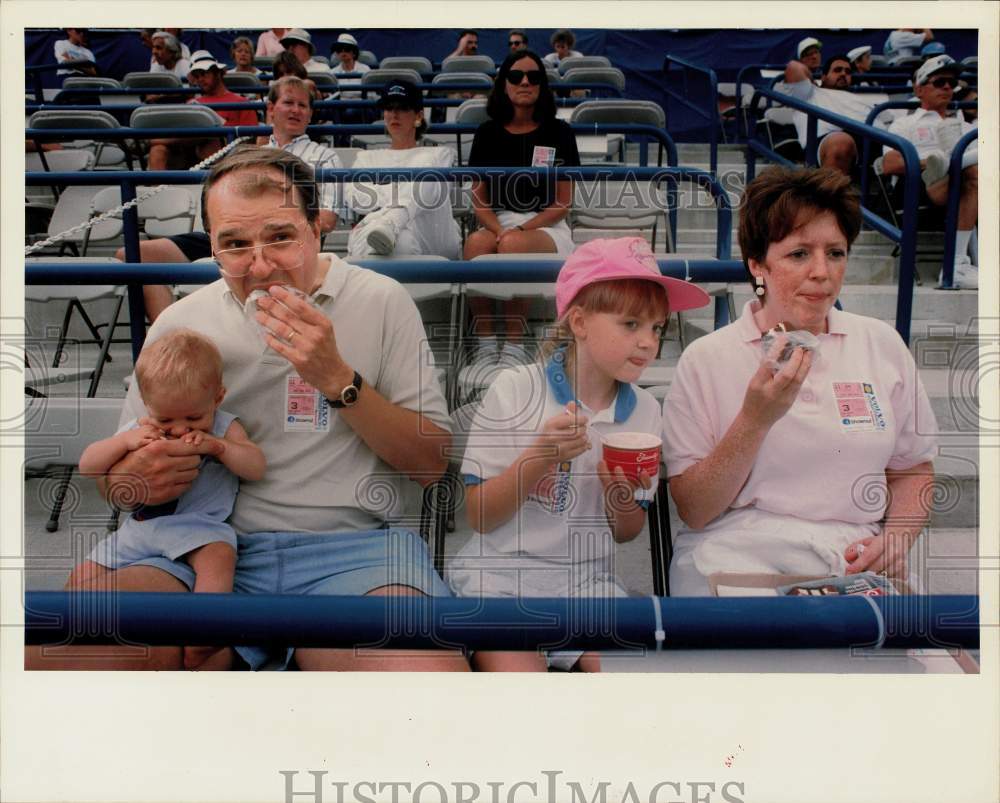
pixel 520 213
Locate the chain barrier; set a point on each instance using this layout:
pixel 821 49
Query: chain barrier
pixel 145 195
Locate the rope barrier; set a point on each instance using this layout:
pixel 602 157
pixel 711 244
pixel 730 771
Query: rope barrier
pixel 111 213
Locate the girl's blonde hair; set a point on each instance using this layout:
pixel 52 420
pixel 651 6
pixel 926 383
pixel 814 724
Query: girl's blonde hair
pixel 182 362
pixel 636 297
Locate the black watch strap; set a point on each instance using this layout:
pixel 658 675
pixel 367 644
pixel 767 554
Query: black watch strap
pixel 349 395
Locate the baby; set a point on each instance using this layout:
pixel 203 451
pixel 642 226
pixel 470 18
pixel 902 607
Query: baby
pixel 180 379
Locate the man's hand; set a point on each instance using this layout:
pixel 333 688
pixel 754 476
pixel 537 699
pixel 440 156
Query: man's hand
pixel 156 473
pixel 305 337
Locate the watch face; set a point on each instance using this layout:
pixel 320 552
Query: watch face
pixel 349 395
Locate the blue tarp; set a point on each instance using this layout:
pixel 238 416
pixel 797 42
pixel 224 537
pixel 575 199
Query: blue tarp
pixel 638 53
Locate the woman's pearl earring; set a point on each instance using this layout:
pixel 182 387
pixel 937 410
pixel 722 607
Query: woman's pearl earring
pixel 760 285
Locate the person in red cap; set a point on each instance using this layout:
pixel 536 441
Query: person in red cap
pixel 546 508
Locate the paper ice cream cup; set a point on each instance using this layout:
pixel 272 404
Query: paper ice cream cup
pixel 632 451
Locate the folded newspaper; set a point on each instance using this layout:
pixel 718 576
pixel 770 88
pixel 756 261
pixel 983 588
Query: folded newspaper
pixel 867 583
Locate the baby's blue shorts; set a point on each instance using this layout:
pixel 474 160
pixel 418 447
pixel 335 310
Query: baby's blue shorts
pixel 347 564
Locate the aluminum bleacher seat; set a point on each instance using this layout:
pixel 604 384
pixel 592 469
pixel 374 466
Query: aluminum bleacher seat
pixel 325 82
pixel 72 209
pixel 151 80
pixel 481 64
pixel 379 77
pixel 368 58
pixel 263 62
pixel 586 75
pixel 616 110
pixel 419 63
pixel 64 161
pixel 443 79
pixel 322 59
pixel 239 81
pixel 583 61
pixel 107 154
pixel 175 115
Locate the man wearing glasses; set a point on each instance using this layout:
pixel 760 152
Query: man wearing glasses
pixel 934 132
pixel 517 40
pixel 327 365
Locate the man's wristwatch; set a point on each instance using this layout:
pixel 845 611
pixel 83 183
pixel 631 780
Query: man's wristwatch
pixel 349 395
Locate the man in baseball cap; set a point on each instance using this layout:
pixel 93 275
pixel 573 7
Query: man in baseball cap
pixel 934 130
pixel 299 43
pixel 810 52
pixel 861 58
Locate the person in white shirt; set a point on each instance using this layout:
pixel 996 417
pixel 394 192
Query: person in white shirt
pixel 269 42
pixel 934 132
pixel 562 42
pixel 73 48
pixel 837 148
pixel 905 43
pixel 167 55
pixel 403 217
pixel 346 51
pixel 468 44
pixel 299 43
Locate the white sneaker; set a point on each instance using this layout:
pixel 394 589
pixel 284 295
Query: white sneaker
pixel 966 275
pixel 381 237
pixel 935 168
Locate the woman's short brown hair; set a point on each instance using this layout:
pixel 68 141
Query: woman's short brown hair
pixel 774 205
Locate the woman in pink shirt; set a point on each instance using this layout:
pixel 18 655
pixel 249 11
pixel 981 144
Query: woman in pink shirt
pixel 269 42
pixel 798 439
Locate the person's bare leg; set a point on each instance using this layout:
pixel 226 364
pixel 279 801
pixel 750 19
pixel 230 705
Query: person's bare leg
pixel 490 661
pixel 159 154
pixel 532 241
pixel 89 577
pixel 156 297
pixel 338 660
pixel 589 662
pixel 968 202
pixel 214 566
pixel 481 241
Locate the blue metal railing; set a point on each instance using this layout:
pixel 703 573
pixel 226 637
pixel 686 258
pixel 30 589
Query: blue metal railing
pixel 709 111
pixel 740 78
pixel 899 621
pixel 951 217
pixel 55 273
pixel 906 237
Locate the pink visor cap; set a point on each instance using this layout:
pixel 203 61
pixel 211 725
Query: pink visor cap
pixel 622 258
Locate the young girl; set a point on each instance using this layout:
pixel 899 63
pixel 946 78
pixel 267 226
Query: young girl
pixel 546 506
pixel 180 378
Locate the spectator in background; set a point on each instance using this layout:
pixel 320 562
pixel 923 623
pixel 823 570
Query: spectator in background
pixel 468 44
pixel 837 148
pixel 905 43
pixel 206 73
pixel 934 132
pixel 931 49
pixel 185 51
pixel 810 52
pixel 861 59
pixel 404 217
pixel 517 39
pixel 346 52
pixel 299 43
pixel 242 52
pixel 167 55
pixel 519 214
pixel 74 48
pixel 964 92
pixel 269 42
pixel 562 42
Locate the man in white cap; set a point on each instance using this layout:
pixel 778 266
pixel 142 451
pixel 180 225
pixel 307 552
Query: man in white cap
pixel 810 52
pixel 299 43
pixel 934 132
pixel 861 58
pixel 347 51
pixel 205 73
pixel 837 149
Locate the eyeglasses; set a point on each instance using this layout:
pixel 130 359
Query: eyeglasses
pixel 517 76
pixel 516 43
pixel 280 255
pixel 941 83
